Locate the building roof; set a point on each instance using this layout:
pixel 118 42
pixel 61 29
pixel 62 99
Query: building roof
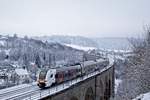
pixel 21 72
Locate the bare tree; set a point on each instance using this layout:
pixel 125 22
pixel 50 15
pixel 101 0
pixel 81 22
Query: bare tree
pixel 137 70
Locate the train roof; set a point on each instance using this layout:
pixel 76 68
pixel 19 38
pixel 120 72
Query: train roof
pixel 84 64
pixel 91 62
pixel 101 60
pixel 66 68
pixel 88 63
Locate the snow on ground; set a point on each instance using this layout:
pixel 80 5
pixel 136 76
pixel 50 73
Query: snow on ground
pixel 117 82
pixel 14 88
pixel 80 47
pixel 116 50
pixel 21 72
pixel 7 51
pixel 120 57
pixel 145 96
pixel 111 59
pixel 2 81
pixel 2 43
pixel 17 87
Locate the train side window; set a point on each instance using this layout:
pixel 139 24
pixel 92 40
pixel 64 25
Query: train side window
pixel 66 74
pixel 78 70
pixel 56 76
pixel 51 75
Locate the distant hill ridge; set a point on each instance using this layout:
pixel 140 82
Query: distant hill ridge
pixel 77 40
pixel 105 43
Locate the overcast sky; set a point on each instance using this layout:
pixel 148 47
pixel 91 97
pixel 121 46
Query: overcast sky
pixel 90 18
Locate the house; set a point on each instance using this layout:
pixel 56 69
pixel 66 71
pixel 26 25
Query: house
pixel 21 76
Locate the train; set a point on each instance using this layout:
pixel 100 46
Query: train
pixel 57 75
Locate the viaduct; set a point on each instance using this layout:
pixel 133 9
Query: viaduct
pixel 98 87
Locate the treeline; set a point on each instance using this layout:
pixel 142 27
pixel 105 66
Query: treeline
pixel 25 51
pixel 136 78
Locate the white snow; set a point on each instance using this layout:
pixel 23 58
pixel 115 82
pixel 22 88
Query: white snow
pixel 2 43
pixel 117 82
pixel 115 50
pixel 111 59
pixel 2 81
pixel 80 47
pixel 7 51
pixel 120 57
pixel 14 88
pixel 145 96
pixel 21 71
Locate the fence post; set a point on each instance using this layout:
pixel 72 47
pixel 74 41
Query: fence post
pixel 56 88
pixel 49 91
pixel 40 94
pixel 76 80
pixel 68 83
pixel 30 97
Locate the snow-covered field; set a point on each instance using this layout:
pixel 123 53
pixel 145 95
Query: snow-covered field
pixel 80 47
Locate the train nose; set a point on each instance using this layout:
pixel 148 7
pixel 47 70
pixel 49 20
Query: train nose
pixel 42 81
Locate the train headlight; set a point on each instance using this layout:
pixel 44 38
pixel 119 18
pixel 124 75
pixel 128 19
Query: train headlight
pixel 42 81
pixel 45 80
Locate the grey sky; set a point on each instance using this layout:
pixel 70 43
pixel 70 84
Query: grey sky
pixel 102 18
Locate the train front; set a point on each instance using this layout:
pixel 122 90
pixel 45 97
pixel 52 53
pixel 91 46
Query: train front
pixel 41 80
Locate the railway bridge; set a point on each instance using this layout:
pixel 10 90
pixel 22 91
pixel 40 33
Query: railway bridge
pixel 98 87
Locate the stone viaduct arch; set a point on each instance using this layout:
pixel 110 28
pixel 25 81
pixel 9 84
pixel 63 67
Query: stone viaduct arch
pixel 100 87
pixel 89 94
pixel 73 98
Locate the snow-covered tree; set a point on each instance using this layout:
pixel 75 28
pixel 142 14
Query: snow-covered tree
pixel 38 61
pixel 136 79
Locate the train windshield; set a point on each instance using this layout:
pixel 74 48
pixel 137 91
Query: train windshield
pixel 42 74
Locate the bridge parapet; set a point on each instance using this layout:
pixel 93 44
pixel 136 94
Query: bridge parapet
pixel 96 86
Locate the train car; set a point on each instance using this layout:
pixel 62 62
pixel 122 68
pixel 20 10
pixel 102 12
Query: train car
pixel 57 75
pixel 91 66
pixel 101 63
pixel 67 73
pixel 61 74
pixel 88 67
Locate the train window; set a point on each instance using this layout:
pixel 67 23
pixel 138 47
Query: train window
pixel 78 70
pixel 69 73
pixel 56 76
pixel 42 74
pixel 51 75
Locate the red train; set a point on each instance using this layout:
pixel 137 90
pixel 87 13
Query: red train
pixel 61 74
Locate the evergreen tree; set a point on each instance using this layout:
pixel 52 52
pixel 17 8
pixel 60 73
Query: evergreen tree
pixel 38 61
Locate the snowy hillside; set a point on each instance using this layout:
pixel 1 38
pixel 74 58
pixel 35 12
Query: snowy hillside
pixel 80 47
pixel 24 51
pixel 21 57
pixel 105 43
pixel 75 40
pixel 113 43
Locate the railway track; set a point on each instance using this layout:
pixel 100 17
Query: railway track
pixel 4 95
